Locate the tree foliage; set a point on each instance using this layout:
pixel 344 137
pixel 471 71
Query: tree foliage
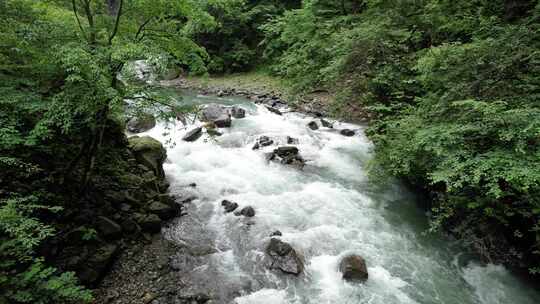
pixel 60 66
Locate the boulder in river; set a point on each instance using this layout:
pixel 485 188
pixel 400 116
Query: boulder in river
pixel 283 257
pixel 325 123
pixel 193 135
pixel 354 269
pixel 288 155
pixel 263 141
pixel 217 114
pixel 149 152
pixel 229 206
pixel 276 233
pixel 213 132
pixel 246 211
pixel 164 211
pixel 141 123
pixel 238 112
pixel 347 132
pixel 292 140
pixel 274 110
pixel 313 125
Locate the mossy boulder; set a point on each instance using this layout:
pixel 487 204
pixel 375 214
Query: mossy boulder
pixel 149 152
pixel 141 123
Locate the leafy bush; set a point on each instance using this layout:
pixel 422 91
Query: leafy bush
pixel 24 278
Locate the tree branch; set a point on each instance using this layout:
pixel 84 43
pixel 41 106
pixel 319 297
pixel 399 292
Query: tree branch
pixel 78 19
pixel 141 28
pixel 117 22
pixel 90 17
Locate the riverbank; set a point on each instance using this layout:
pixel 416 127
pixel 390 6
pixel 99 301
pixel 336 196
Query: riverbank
pixel 263 88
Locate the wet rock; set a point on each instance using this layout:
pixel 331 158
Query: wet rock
pixel 292 141
pixel 148 298
pixel 238 112
pixel 284 257
pixel 141 123
pixel 347 132
pixel 193 135
pixel 313 125
pixel 276 233
pixel 217 114
pixel 229 206
pixel 246 211
pixel 199 298
pixel 263 141
pixel 163 185
pixel 162 210
pixel 325 123
pixel 130 226
pixel 286 151
pixel 287 155
pixel 141 70
pixel 97 264
pixel 274 110
pixel 269 156
pixel 149 152
pixel 214 132
pixel 108 228
pixel 148 222
pixel 354 269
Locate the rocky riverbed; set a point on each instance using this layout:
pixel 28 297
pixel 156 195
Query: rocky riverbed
pixel 277 209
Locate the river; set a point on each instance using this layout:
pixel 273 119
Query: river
pixel 326 211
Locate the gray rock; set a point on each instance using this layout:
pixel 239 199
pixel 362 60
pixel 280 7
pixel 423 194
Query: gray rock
pixel 162 210
pixel 284 257
pixel 347 132
pixel 325 123
pixel 247 212
pixel 141 123
pixel 286 151
pixel 149 152
pixel 263 141
pixel 217 114
pixel 287 155
pixel 229 206
pixel 130 226
pixel 292 140
pixel 313 125
pixel 276 233
pixel 193 135
pixel 214 132
pixel 97 264
pixel 108 228
pixel 148 222
pixel 238 112
pixel 354 269
pixel 274 110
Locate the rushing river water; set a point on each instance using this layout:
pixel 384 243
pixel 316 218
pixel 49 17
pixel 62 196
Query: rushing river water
pixel 326 211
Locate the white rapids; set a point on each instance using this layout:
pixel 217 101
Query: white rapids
pixel 328 210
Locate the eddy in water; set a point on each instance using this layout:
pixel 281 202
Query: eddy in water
pixel 284 213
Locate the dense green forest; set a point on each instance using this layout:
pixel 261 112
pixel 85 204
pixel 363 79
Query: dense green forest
pixel 452 89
